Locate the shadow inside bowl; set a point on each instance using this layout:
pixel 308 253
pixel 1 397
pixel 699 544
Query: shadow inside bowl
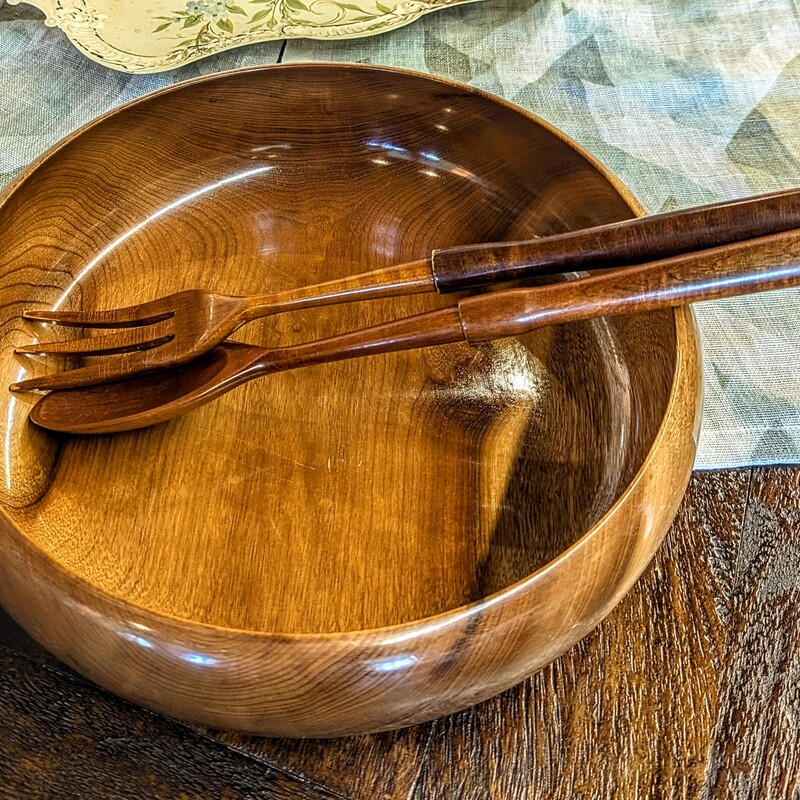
pixel 584 445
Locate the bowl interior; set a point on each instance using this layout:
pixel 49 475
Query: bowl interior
pixel 345 496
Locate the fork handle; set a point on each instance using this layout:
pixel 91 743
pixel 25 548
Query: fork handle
pixel 756 265
pixel 631 242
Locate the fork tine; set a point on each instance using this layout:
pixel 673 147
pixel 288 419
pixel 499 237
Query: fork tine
pixel 69 379
pixel 89 375
pixel 128 317
pixel 127 341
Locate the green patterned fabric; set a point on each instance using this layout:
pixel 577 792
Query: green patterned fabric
pixel 687 101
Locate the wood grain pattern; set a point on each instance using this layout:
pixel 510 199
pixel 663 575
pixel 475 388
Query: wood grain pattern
pixel 62 739
pixel 754 747
pixel 684 690
pixel 294 562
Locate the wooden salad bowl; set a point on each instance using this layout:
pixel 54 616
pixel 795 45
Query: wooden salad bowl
pixel 349 547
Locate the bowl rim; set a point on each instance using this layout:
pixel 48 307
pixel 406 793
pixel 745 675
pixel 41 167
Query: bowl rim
pixel 403 630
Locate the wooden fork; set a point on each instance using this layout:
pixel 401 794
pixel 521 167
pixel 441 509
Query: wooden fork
pixel 175 329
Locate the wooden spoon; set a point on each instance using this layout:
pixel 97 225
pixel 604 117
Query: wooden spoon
pixel 770 262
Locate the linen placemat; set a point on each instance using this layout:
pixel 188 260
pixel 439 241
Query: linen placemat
pixel 687 102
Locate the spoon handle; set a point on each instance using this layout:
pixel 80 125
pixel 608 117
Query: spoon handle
pixel 631 242
pixel 757 265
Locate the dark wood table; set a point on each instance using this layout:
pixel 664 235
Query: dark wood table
pixel 691 688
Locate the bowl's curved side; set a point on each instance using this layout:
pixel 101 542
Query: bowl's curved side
pixel 342 684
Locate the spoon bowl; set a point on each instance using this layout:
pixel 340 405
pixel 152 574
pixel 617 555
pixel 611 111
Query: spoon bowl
pixel 103 409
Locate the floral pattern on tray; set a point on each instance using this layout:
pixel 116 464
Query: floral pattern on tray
pixel 133 37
